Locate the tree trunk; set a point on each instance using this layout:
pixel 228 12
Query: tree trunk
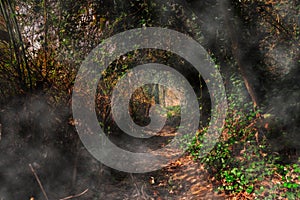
pixel 245 68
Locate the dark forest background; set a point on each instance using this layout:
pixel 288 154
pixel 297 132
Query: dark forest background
pixel 254 43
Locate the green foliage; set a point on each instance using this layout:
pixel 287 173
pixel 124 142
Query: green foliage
pixel 173 111
pixel 290 179
pixel 241 158
pixel 231 159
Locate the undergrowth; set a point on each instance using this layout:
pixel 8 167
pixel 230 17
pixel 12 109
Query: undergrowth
pixel 241 163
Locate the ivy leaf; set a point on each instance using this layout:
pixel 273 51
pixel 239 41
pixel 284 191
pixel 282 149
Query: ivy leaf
pixel 249 189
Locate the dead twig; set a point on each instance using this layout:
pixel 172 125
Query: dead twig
pixel 0 130
pixel 75 196
pixel 136 187
pixel 75 163
pixel 140 192
pixel 39 182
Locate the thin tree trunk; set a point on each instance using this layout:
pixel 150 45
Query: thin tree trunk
pixel 5 12
pixel 244 67
pixel 45 39
pixel 16 42
pixel 21 48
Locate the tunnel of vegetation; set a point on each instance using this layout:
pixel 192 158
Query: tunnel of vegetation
pixel 255 44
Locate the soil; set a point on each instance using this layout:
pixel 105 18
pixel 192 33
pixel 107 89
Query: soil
pixel 41 155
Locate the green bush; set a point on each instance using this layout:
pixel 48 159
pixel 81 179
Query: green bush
pixel 242 160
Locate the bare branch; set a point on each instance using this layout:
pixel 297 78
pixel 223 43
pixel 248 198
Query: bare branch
pixel 39 182
pixel 75 196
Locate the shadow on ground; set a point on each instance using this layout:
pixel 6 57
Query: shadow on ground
pixel 34 133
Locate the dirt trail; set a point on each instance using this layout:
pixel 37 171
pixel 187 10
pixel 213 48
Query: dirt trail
pixel 184 178
pixel 33 133
pixel 181 180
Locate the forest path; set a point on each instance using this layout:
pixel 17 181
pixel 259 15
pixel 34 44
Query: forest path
pixel 33 133
pixel 183 178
